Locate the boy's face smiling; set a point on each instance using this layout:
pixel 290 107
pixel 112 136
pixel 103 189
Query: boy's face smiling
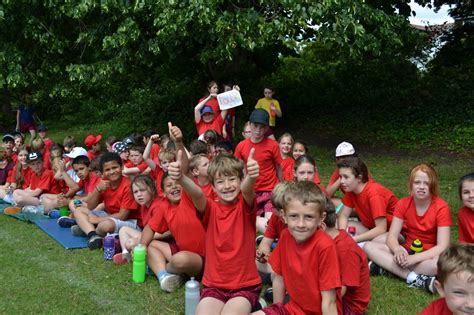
pixel 172 190
pixel 112 171
pixel 458 290
pixel 302 220
pixel 208 117
pixel 227 187
pixel 81 170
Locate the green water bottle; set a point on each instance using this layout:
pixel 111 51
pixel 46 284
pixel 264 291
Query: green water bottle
pixel 139 264
pixel 416 247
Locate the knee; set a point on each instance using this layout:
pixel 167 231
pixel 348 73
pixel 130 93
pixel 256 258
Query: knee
pixel 104 227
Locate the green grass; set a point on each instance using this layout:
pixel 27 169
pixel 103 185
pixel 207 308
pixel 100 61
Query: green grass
pixel 39 276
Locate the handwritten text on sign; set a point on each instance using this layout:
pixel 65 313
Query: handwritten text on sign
pixel 229 99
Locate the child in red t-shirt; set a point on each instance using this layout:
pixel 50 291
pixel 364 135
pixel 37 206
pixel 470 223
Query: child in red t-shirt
pixel 18 177
pixel 305 169
pixel 355 278
pixel 373 203
pixel 136 164
pixel 267 154
pixel 301 148
pixel 231 281
pixel 455 282
pixel 120 207
pixel 155 147
pixel 42 181
pixel 183 255
pixel 466 213
pixel 93 144
pixel 275 226
pixel 424 221
pixel 145 194
pixel 285 143
pixel 205 119
pixel 43 133
pixel 305 259
pixel 198 165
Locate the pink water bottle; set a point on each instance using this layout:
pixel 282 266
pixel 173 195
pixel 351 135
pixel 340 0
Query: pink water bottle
pixel 351 230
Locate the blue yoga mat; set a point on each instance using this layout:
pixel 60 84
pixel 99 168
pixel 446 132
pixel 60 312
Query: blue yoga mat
pixel 62 235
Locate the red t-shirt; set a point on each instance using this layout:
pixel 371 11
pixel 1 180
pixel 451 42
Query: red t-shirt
pixel 207 190
pixel 287 165
pixel 466 225
pixel 120 198
pixel 46 182
pixel 88 184
pixel 216 124
pixel 354 273
pixel 141 167
pixel 274 227
pixel 146 213
pixel 424 228
pixel 92 155
pixel 25 172
pixel 181 220
pixel 267 154
pixel 375 201
pixel 46 161
pixel 230 245
pixel 438 307
pixel 307 269
pixel 155 150
pixel 48 143
pixel 213 103
pixel 157 175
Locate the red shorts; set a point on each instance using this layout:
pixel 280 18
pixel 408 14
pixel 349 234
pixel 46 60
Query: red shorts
pixel 173 246
pixel 251 294
pixel 26 127
pixel 275 309
pixel 264 202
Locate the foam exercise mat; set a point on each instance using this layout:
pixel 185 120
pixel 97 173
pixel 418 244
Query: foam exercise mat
pixel 61 235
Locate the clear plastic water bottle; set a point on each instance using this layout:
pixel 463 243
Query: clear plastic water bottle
pixel 139 264
pixel 192 296
pixel 109 247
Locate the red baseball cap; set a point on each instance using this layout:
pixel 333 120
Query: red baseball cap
pixel 91 140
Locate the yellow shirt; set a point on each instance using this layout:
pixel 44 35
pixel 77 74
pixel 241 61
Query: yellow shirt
pixel 265 104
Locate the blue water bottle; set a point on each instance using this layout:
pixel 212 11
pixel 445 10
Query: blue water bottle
pixel 109 247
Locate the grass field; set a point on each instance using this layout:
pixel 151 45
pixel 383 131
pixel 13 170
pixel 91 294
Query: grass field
pixel 39 276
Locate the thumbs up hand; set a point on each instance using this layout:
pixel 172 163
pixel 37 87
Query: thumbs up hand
pixel 175 133
pixel 253 170
pixel 174 169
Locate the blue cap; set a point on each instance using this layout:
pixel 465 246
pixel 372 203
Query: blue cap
pixel 259 116
pixel 206 109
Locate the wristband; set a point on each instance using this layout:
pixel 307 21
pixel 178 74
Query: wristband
pixel 339 207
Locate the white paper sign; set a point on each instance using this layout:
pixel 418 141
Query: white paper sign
pixel 229 99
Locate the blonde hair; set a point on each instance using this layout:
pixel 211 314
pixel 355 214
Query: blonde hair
pixel 37 145
pixel 278 193
pixel 195 161
pixel 304 192
pixel 225 164
pixel 55 157
pixel 167 154
pixel 457 258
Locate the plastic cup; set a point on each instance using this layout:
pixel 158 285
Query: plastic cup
pixel 64 211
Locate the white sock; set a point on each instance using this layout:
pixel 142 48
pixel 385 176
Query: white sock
pixel 124 251
pixel 411 276
pixel 361 244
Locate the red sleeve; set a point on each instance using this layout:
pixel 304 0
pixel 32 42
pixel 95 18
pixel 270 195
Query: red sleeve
pixel 334 177
pixel 80 183
pixel 378 206
pixel 443 216
pixel 270 231
pixel 44 182
pixel 142 166
pixel 276 154
pixel 400 209
pixel 157 221
pixel 127 201
pixel 348 199
pixel 275 257
pixel 350 275
pixel 11 175
pixel 238 151
pixel 329 278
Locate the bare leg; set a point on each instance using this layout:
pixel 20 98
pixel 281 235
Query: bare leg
pixel 383 256
pixel 262 222
pixel 185 262
pixel 82 218
pixel 158 253
pixel 104 227
pixel 22 198
pixel 237 305
pixel 209 306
